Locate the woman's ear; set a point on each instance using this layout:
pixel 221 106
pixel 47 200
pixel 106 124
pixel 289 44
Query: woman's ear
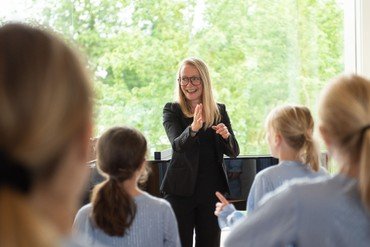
pixel 143 167
pixel 142 173
pixel 277 139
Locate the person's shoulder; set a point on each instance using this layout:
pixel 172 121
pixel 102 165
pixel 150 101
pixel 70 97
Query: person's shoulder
pixel 86 208
pixel 84 211
pixel 155 201
pixel 305 186
pixel 73 241
pixel 285 169
pixel 82 218
pixel 306 181
pixel 323 171
pixel 291 188
pixel 173 106
pixel 221 106
pixel 269 171
pixel 300 189
pixel 263 178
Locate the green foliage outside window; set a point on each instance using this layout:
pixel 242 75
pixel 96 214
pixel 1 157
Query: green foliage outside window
pixel 261 53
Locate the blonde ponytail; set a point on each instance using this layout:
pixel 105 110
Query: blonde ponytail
pixel 344 114
pixel 295 124
pixel 311 155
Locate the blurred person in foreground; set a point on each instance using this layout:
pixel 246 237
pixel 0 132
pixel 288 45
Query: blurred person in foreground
pixel 45 126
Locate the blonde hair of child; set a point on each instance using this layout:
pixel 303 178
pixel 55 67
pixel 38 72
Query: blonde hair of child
pixel 296 125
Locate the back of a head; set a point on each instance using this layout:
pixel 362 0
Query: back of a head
pixel 45 102
pixel 344 113
pixel 121 152
pixel 296 125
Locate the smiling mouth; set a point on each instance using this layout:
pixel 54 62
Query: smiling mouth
pixel 191 90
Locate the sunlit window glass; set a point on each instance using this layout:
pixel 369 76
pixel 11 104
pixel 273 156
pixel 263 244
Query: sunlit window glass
pixel 262 53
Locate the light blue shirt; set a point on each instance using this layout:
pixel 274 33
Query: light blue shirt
pixel 273 177
pixel 319 212
pixel 266 181
pixel 154 225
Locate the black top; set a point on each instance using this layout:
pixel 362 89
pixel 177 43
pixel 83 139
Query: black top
pixel 210 173
pixel 193 157
pixel 207 152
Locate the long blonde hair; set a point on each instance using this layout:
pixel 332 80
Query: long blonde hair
pixel 211 113
pixel 45 104
pixel 296 125
pixel 344 113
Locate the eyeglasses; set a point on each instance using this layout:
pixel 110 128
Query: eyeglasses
pixel 194 80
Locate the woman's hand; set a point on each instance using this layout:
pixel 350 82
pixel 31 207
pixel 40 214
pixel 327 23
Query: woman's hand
pixel 198 118
pixel 222 130
pixel 220 205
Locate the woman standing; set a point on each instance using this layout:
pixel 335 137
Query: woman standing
pixel 200 133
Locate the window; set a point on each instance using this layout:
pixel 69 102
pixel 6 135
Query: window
pixel 357 37
pixel 262 53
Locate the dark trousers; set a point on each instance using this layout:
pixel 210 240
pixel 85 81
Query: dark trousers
pixel 196 212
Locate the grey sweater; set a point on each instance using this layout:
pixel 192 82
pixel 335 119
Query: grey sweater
pixel 154 225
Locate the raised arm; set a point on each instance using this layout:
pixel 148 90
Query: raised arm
pixel 230 144
pixel 179 135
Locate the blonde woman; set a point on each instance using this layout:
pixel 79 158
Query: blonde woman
pixel 120 214
pixel 325 212
pixel 45 125
pixel 290 138
pixel 200 133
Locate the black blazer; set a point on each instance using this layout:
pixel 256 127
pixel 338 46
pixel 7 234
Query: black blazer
pixel 181 175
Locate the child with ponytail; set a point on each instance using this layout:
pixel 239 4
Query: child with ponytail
pixel 327 212
pixel 290 138
pixel 121 214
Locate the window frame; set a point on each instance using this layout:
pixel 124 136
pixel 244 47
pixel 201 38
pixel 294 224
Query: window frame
pixel 357 37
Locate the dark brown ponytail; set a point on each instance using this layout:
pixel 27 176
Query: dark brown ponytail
pixel 114 209
pixel 121 153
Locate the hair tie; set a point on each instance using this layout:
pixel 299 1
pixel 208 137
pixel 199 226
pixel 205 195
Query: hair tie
pixel 113 178
pixel 14 174
pixel 364 129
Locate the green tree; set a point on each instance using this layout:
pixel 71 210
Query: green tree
pixel 261 53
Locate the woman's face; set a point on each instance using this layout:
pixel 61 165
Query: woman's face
pixel 191 83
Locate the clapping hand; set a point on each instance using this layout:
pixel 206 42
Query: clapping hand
pixel 222 130
pixel 198 118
